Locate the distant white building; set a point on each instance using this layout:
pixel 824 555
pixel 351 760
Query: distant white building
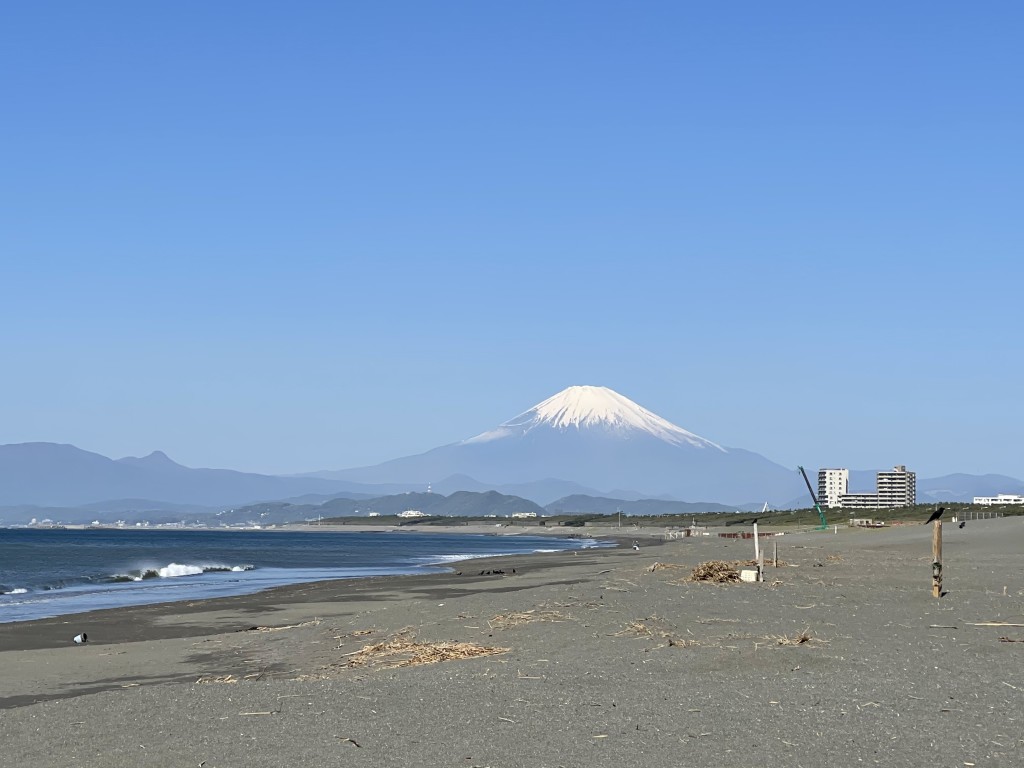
pixel 999 500
pixel 412 513
pixel 832 484
pixel 894 488
pixel 523 515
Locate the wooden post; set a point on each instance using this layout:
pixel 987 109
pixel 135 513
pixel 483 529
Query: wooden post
pixel 937 559
pixel 757 555
pixel 775 554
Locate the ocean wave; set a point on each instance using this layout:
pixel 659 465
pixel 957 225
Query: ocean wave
pixel 443 559
pixel 175 570
pixel 15 591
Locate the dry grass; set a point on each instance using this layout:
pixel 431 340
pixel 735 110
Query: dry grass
pixel 404 651
pixel 517 618
pixel 221 679
pixel 660 566
pixel 311 623
pixel 636 629
pixel 654 627
pixel 797 639
pixel 717 572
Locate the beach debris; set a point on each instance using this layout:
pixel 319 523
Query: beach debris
pixel 660 566
pixel 81 639
pixel 404 651
pixel 219 679
pixel 516 618
pixel 716 571
pixel 353 742
pixel 654 627
pixel 636 629
pixel 1011 640
pixel 310 623
pixel 994 624
pixel 798 639
pixel 521 676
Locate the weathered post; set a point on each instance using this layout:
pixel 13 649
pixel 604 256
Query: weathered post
pixel 757 556
pixel 937 559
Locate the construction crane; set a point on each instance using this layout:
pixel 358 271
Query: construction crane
pixel 814 498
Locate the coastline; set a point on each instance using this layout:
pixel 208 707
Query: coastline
pixel 181 570
pixel 606 661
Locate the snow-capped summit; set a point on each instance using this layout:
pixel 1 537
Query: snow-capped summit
pixel 597 439
pixel 585 407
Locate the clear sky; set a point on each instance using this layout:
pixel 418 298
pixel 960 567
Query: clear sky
pixel 285 237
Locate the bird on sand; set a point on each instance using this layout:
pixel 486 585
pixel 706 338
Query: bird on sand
pixel 935 515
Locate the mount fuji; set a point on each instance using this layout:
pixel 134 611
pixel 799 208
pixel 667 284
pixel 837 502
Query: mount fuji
pixel 600 439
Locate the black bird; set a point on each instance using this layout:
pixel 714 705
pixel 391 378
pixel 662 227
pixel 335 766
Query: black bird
pixel 963 523
pixel 935 515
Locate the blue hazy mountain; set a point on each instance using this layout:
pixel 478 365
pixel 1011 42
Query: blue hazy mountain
pixel 52 474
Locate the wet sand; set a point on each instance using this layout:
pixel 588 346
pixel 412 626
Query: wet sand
pixel 603 662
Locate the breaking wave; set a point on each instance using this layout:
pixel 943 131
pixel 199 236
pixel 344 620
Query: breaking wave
pixel 174 570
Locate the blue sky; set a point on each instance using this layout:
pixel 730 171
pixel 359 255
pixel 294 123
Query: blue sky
pixel 287 237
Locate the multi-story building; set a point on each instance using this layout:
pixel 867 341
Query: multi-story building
pixel 999 500
pixel 832 483
pixel 895 488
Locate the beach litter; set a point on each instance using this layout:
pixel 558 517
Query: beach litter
pixel 404 651
pixel 717 572
pixel 517 618
pixel 311 623
pixel 798 639
pixel 221 679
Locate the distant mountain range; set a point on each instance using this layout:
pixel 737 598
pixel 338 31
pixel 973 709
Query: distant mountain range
pixel 63 475
pixel 585 445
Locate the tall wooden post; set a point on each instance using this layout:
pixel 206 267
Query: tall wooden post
pixel 937 559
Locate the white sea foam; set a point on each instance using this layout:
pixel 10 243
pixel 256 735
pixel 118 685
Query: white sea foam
pixel 17 591
pixel 174 570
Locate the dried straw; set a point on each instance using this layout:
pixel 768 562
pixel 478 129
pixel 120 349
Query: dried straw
pixel 516 618
pixel 404 651
pixel 716 571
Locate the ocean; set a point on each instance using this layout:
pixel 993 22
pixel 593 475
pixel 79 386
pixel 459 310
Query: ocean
pixel 53 572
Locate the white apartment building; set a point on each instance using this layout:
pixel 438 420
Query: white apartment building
pixel 897 488
pixel 832 483
pixel 894 488
pixel 999 500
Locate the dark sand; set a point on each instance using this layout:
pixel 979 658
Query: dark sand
pixel 629 666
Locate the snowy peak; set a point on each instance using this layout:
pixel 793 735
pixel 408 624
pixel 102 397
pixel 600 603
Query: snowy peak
pixel 585 408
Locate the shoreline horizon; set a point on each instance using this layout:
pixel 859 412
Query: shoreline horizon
pixel 440 565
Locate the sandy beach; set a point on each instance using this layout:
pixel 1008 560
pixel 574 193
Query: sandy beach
pixel 593 658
